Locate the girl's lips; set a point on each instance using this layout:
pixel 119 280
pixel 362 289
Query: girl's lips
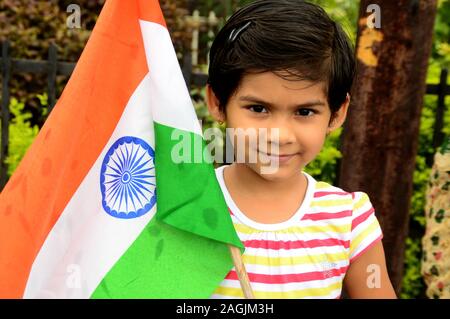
pixel 283 158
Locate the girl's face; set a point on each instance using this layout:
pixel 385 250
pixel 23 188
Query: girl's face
pixel 298 109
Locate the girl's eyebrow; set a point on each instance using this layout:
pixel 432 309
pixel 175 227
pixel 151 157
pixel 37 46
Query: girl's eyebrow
pixel 253 99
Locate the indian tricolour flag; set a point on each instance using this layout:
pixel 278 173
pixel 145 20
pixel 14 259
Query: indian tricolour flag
pixel 98 208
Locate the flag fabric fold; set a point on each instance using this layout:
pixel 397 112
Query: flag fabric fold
pixel 97 208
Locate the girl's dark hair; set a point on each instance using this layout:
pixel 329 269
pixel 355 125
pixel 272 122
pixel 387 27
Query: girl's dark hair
pixel 295 39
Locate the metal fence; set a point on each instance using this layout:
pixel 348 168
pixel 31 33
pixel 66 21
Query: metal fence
pixel 53 67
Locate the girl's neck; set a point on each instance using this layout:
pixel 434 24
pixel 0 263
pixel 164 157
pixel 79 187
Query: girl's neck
pixel 248 182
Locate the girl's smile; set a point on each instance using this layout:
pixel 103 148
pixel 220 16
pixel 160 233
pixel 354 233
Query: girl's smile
pixel 278 158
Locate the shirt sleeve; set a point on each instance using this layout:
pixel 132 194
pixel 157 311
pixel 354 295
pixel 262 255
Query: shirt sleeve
pixel 366 230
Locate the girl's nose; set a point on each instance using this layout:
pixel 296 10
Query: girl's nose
pixel 282 133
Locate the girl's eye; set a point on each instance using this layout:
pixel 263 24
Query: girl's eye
pixel 257 108
pixel 306 112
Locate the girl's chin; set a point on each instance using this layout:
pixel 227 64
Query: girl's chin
pixel 275 172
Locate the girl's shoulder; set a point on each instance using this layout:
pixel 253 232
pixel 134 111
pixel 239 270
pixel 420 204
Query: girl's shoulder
pixel 327 191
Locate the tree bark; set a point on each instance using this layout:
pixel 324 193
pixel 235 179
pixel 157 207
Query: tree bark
pixel 380 136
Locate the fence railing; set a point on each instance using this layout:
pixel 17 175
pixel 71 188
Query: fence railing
pixel 53 67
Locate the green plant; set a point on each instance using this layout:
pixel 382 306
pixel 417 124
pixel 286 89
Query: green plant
pixel 412 283
pixel 21 134
pixel 324 166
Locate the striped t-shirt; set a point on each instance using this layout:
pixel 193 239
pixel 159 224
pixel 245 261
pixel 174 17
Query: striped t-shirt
pixel 308 255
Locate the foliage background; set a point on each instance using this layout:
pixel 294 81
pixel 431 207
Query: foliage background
pixel 31 25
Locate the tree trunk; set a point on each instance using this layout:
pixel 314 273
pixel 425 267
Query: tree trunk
pixel 380 136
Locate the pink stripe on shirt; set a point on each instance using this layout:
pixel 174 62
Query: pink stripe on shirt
pixel 270 244
pixel 289 278
pixel 361 218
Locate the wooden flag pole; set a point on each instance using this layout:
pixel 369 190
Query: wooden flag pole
pixel 241 272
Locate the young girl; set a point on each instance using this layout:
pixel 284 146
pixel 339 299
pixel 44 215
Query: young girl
pixel 285 65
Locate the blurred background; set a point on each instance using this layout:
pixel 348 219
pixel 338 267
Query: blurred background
pixel 39 52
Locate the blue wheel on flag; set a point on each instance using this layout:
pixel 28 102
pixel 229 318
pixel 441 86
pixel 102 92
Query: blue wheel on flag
pixel 127 178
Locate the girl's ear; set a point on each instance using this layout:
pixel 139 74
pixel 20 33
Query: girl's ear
pixel 213 105
pixel 340 116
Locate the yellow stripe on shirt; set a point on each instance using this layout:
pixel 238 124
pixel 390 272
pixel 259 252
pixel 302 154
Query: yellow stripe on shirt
pixel 302 293
pixel 361 202
pixel 332 202
pixel 322 185
pixel 363 235
pixel 243 229
pixel 294 260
